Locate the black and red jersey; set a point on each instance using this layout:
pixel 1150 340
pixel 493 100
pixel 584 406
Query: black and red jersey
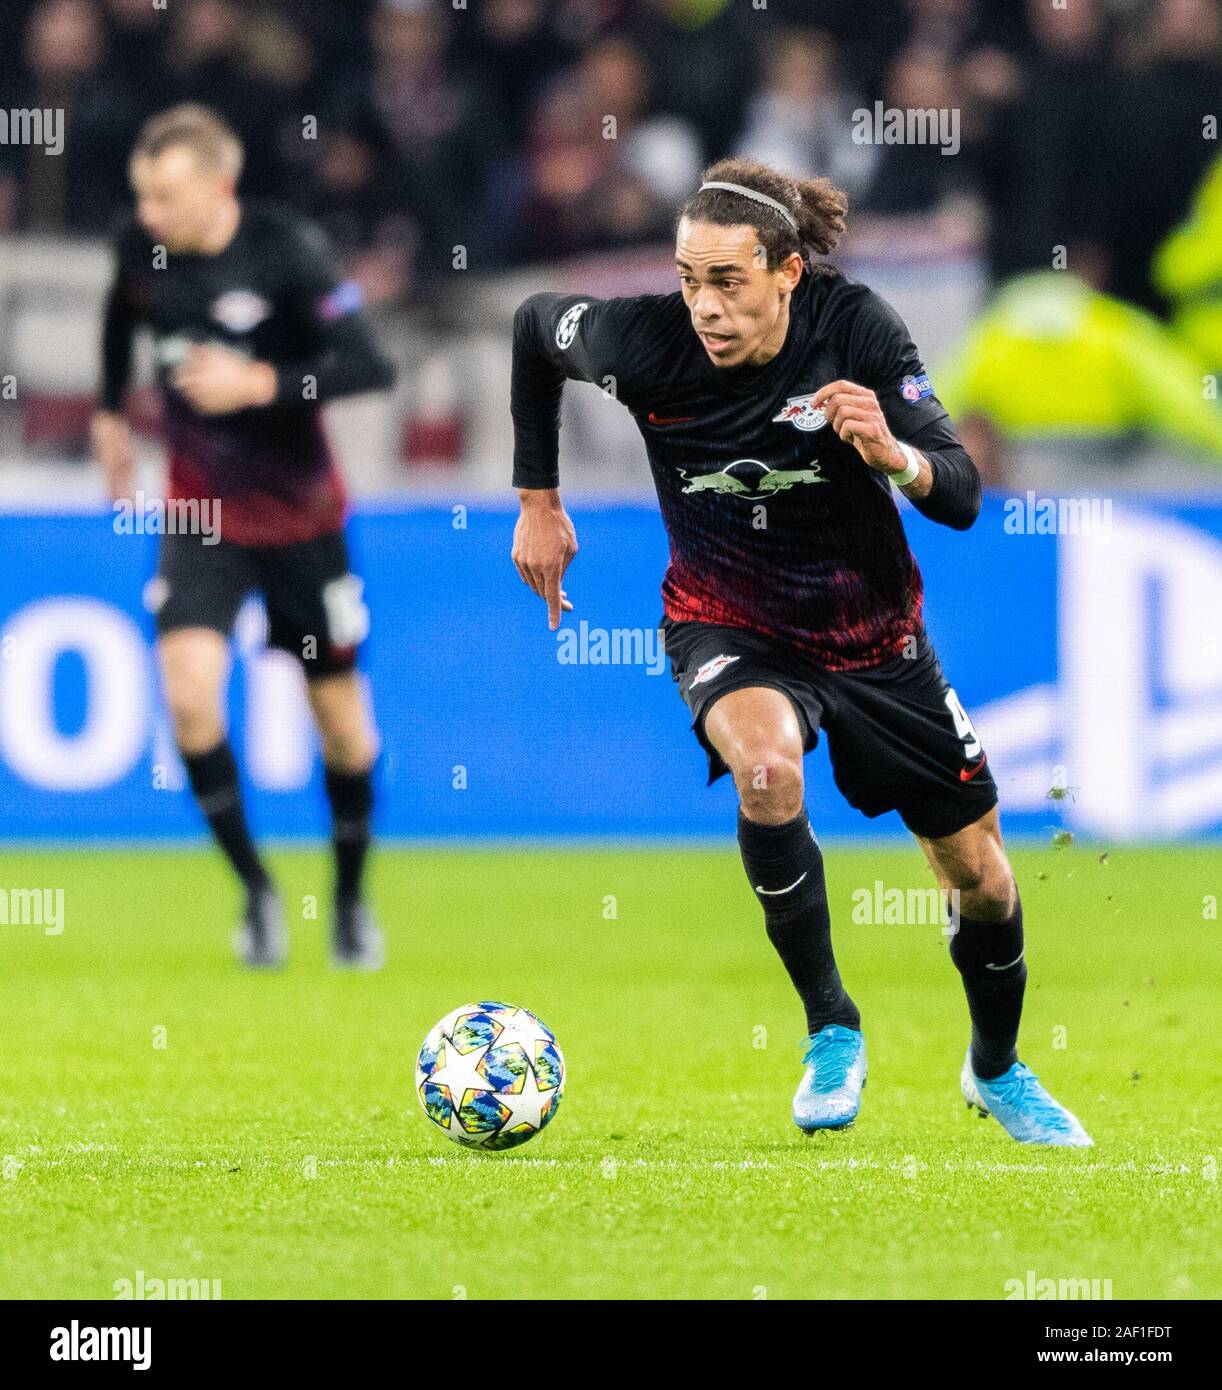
pixel 775 523
pixel 274 295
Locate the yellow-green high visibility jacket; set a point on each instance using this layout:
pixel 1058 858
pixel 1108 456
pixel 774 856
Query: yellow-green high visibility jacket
pixel 1051 358
pixel 1188 270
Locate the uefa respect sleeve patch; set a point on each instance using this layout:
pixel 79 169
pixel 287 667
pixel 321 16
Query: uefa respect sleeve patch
pixel 916 388
pixel 345 298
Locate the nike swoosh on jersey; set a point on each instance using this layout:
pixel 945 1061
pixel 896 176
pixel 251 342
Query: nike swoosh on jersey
pixel 967 773
pixel 669 419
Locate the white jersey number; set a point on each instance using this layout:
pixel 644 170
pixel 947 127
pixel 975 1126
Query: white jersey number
pixel 963 726
pixel 347 616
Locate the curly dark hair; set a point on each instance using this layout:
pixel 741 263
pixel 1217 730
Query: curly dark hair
pixel 817 206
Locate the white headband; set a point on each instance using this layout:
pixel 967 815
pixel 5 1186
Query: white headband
pixel 758 197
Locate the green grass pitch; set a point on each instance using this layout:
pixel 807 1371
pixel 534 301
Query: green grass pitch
pixel 274 1143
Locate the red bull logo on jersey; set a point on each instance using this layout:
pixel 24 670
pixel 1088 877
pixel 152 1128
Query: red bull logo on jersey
pixel 751 479
pixel 240 310
pixel 801 414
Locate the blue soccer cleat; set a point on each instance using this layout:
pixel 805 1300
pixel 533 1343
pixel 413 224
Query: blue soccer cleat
pixel 829 1094
pixel 1023 1108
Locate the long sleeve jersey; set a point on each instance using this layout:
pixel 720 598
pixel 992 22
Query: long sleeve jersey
pixel 272 294
pixel 775 523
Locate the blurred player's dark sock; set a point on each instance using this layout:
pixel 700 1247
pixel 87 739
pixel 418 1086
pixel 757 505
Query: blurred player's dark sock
pixel 214 780
pixel 785 868
pixel 351 798
pixel 989 956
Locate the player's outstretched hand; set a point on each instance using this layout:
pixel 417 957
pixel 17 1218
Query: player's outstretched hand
pixel 854 413
pixel 544 542
pixel 217 380
pixel 110 438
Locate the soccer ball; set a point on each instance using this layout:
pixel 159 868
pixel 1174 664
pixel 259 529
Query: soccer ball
pixel 490 1075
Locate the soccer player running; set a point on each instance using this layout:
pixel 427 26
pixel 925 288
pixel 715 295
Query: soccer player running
pixel 253 332
pixel 779 403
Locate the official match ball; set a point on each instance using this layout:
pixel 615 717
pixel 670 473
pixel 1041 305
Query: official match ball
pixel 490 1075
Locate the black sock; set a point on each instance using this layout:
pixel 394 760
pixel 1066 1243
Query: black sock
pixel 214 780
pixel 989 956
pixel 786 863
pixel 351 798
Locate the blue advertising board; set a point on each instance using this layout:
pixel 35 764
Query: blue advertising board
pixel 1089 656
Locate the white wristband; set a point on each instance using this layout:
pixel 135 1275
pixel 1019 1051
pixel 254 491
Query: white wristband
pixel 912 472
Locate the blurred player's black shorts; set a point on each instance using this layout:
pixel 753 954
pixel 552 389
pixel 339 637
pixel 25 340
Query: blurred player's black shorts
pixel 314 606
pixel 896 734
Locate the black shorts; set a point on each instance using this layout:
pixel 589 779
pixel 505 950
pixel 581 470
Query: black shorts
pixel 898 738
pixel 314 606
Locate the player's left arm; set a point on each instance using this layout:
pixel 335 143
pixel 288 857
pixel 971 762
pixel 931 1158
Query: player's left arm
pixel 343 357
pixel 891 416
pixel 346 359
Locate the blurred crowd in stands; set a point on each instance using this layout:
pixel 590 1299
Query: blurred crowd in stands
pixel 430 135
pixel 524 130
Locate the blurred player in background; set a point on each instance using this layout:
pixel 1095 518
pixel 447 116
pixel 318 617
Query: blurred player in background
pixel 253 333
pixel 779 402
